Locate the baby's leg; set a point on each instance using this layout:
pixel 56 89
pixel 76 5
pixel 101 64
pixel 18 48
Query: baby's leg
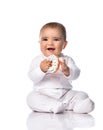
pixel 42 103
pixel 79 102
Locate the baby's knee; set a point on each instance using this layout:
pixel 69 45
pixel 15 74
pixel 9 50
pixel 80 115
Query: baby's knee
pixel 30 99
pixel 84 106
pixel 81 95
pixel 90 105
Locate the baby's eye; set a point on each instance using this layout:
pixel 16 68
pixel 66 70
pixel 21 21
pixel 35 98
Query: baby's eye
pixel 44 39
pixel 56 39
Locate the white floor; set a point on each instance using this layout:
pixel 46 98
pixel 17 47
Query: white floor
pixel 66 121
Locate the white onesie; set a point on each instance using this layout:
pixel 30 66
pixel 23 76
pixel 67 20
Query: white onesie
pixel 53 91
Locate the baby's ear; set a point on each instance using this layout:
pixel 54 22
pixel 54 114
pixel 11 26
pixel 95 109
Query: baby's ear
pixel 65 44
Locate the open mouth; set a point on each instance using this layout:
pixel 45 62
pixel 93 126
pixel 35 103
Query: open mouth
pixel 50 49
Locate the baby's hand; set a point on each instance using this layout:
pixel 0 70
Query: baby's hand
pixel 45 64
pixel 65 68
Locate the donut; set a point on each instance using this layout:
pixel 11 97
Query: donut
pixel 55 63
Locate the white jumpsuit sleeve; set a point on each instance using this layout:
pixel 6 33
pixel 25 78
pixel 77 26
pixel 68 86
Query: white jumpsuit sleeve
pixel 35 73
pixel 74 70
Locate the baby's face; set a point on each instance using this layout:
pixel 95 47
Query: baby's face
pixel 51 41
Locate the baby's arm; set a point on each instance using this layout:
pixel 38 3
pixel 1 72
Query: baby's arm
pixel 65 68
pixel 35 73
pixel 74 70
pixel 69 68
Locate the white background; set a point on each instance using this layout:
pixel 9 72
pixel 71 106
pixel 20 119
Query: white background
pixel 20 22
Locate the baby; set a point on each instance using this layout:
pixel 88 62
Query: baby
pixel 53 89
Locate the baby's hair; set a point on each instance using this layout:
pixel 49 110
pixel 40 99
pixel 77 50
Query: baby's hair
pixel 56 25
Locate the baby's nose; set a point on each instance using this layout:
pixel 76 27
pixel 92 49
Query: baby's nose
pixel 50 42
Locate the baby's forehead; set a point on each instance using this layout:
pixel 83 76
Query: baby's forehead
pixel 51 28
pixel 51 32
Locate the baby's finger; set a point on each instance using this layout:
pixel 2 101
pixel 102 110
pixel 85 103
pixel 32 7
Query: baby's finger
pixel 63 62
pixel 49 63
